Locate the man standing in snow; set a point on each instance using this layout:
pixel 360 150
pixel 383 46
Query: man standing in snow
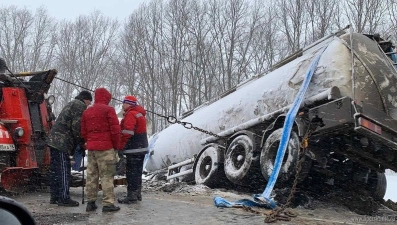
pixel 101 130
pixel 135 143
pixel 63 139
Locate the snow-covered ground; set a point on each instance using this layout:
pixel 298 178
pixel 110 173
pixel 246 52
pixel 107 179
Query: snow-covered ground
pixel 391 177
pixel 391 192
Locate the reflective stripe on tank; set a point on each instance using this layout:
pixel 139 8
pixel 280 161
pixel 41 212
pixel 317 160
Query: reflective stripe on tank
pixel 137 150
pixel 128 132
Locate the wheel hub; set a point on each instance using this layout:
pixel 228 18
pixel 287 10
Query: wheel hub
pixel 206 166
pixel 238 156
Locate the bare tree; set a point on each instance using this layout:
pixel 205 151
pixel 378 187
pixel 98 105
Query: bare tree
pixel 365 15
pixel 321 16
pixel 14 31
pixel 85 49
pixel 42 42
pixel 390 31
pixel 174 50
pixel 228 20
pixel 196 86
pixel 140 60
pixel 266 39
pixel 292 17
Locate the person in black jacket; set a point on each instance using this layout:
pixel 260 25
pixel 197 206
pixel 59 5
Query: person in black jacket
pixel 135 142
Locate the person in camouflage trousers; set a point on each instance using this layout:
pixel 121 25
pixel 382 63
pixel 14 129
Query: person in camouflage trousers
pixel 101 164
pixel 100 127
pixel 63 139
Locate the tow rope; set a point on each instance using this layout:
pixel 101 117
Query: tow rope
pixel 264 199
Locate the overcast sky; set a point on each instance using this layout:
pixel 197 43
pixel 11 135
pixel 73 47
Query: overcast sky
pixel 70 9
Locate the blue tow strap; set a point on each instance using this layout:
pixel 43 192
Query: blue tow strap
pixel 264 200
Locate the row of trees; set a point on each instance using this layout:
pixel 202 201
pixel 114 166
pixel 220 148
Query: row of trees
pixel 175 55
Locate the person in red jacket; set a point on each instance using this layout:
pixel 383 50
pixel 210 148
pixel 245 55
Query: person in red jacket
pixel 101 130
pixel 135 142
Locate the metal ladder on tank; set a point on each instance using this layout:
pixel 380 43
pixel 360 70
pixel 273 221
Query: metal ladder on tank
pixel 174 170
pixel 394 62
pixel 390 55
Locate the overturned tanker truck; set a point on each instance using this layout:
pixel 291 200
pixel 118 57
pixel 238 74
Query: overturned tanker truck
pixel 351 102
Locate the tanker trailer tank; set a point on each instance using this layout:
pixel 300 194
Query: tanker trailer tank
pixel 250 116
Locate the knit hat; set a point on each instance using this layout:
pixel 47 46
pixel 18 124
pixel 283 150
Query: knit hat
pixel 129 99
pixel 85 95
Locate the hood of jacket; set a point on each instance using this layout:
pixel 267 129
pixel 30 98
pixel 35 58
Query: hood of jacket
pixel 102 95
pixel 137 108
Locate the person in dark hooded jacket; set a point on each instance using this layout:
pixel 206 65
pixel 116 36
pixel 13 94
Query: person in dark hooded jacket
pixel 63 139
pixel 100 129
pixel 135 142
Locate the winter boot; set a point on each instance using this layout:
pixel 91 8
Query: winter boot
pixel 68 202
pixel 130 198
pixel 110 208
pixel 139 195
pixel 91 206
pixel 53 200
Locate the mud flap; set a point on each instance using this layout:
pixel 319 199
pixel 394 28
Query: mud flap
pixel 16 179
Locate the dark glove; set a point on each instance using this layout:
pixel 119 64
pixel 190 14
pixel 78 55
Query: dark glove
pixel 71 152
pixel 83 146
pixel 82 149
pixel 120 153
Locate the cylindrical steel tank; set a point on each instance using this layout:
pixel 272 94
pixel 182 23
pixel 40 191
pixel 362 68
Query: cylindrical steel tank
pixel 372 75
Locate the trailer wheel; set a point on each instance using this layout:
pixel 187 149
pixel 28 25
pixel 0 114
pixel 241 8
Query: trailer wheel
pixel 269 153
pixel 240 161
pixel 208 169
pixel 377 185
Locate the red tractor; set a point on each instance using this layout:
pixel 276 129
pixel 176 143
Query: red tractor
pixel 25 120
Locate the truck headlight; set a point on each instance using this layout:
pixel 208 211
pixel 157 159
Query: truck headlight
pixel 19 131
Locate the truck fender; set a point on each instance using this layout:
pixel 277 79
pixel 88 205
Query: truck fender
pixel 205 147
pixel 250 134
pixel 298 126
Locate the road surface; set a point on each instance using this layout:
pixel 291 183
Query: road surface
pixel 186 204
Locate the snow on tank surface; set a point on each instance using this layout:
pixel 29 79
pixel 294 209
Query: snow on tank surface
pixel 258 97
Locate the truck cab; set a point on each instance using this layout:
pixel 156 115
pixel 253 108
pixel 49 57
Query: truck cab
pixel 25 120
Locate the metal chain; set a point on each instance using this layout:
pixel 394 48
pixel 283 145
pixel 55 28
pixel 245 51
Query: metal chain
pixel 187 125
pixel 276 214
pixel 170 119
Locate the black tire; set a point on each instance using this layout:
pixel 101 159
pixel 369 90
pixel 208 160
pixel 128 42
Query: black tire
pixel 208 169
pixel 241 166
pixel 269 153
pixel 377 185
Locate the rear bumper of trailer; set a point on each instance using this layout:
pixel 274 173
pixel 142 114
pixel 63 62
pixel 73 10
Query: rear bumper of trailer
pixel 375 130
pixel 343 116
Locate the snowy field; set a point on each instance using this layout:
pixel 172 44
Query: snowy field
pixel 391 191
